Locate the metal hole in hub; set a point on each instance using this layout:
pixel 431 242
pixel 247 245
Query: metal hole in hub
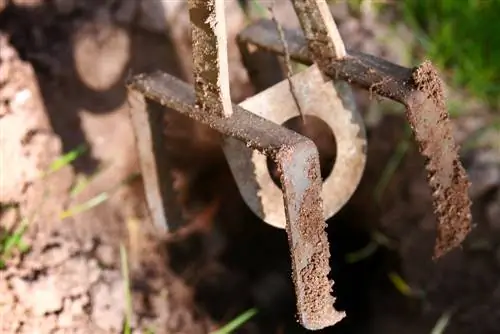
pixel 320 133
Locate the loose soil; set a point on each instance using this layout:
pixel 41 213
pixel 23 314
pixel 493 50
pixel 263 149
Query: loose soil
pixel 62 70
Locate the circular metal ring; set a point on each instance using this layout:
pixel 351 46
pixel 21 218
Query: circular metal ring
pixel 332 103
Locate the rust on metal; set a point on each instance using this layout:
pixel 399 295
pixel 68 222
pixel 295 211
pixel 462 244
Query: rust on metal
pixel 298 159
pixel 420 90
pixel 210 59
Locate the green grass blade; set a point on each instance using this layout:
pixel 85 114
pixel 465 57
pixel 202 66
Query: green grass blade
pixel 128 298
pixel 99 199
pixel 362 253
pixel 77 209
pixel 403 287
pixel 83 181
pixel 66 159
pixel 442 323
pixel 80 185
pixel 237 322
pixel 400 284
pixel 382 239
pixel 14 240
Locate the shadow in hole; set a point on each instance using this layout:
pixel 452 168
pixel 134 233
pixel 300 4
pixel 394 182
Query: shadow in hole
pixel 45 38
pixel 253 267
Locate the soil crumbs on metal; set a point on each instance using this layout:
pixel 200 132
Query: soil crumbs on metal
pixel 446 175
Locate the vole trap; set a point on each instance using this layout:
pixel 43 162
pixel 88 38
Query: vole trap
pixel 253 132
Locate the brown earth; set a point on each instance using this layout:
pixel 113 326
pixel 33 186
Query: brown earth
pixel 62 70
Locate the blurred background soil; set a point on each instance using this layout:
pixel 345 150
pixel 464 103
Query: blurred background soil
pixel 63 64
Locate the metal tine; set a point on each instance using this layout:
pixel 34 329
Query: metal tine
pixel 147 122
pixel 210 60
pixel 323 38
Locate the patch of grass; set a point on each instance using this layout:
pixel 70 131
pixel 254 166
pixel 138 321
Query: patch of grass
pixel 96 200
pixel 237 322
pixel 12 241
pixel 461 37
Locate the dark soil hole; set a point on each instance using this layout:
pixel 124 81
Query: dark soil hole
pixel 320 133
pixel 243 263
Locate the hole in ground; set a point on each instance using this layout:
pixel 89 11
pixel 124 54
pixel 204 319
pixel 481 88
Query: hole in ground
pixel 243 263
pixel 320 133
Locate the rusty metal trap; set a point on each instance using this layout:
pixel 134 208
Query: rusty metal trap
pixel 253 132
